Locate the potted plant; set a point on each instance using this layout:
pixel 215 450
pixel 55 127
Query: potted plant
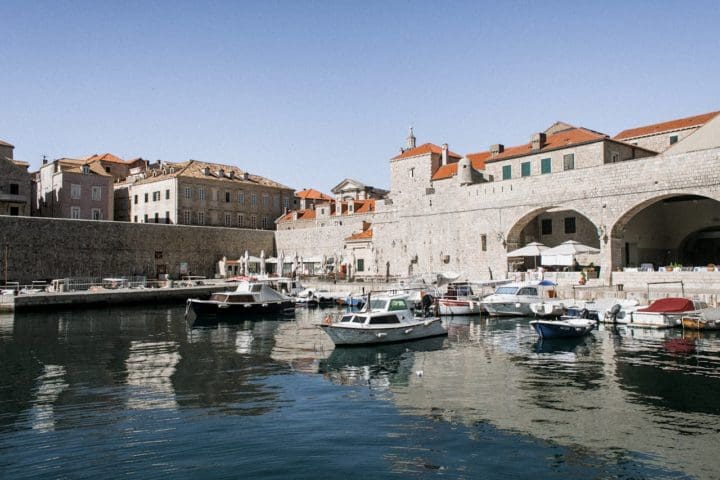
pixel 711 267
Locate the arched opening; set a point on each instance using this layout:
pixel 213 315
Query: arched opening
pixel 672 230
pixel 551 226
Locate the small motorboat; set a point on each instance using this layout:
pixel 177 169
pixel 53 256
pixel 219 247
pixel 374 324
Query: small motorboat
pixel 661 313
pixel 383 319
pixel 705 319
pixel 566 327
pixel 249 298
pixel 548 309
pixel 459 299
pixel 514 299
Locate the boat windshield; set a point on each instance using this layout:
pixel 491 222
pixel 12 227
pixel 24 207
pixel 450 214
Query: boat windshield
pixel 506 290
pixel 528 291
pixel 378 304
pixel 346 318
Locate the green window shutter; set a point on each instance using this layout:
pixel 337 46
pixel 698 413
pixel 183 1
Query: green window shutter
pixel 525 169
pixel 507 172
pixel 545 165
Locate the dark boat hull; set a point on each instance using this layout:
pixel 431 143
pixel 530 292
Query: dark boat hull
pixel 207 308
pixel 560 329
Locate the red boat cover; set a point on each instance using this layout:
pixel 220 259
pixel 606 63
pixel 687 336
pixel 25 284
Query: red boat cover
pixel 669 305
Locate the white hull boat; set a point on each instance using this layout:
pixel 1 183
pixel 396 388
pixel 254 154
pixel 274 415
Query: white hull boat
pixel 382 320
pixel 451 306
pixel 549 309
pixel 514 299
pixel 662 313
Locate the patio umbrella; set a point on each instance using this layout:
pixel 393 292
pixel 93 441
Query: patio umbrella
pixel 246 263
pixel 281 259
pixel 532 249
pixel 564 254
pixel 262 262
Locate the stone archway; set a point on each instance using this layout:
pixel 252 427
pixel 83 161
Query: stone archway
pixel 667 230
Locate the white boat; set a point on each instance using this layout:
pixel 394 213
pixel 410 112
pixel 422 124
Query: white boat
pixel 514 299
pixel 250 298
pixel 661 313
pixel 459 299
pixel 384 319
pixel 548 308
pixel 705 319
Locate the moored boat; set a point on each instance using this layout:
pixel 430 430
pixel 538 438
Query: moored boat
pixel 548 309
pixel 705 319
pixel 514 299
pixel 662 313
pixel 249 298
pixel 459 299
pixel 382 320
pixel 566 327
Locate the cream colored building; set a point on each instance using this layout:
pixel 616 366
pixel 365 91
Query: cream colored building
pixel 201 193
pixel 15 183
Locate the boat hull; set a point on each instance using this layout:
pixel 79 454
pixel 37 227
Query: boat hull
pixel 563 328
pixel 697 323
pixel 347 335
pixel 508 309
pixel 210 308
pixel 458 307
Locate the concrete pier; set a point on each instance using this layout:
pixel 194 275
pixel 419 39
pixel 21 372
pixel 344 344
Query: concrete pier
pixel 124 296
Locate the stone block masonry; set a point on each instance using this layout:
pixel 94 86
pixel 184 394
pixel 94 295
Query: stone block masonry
pixel 47 248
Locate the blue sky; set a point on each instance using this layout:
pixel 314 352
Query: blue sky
pixel 309 93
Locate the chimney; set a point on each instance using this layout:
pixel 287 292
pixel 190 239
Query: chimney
pixel 221 173
pixel 538 141
pixel 496 149
pixel 245 175
pixel 44 159
pixel 444 154
pixel 232 174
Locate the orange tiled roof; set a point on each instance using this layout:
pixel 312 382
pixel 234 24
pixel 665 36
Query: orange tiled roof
pixel 312 194
pixel 307 214
pixel 477 160
pixel 105 157
pixel 679 124
pixel 424 149
pixel 562 139
pixel 72 165
pixel 364 235
pixel 364 206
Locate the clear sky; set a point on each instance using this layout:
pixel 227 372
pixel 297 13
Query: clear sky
pixel 308 93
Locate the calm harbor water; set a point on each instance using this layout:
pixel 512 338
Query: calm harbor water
pixel 135 393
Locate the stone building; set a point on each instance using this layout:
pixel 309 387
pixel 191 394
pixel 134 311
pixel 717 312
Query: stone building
pixel 661 136
pixel 15 183
pixel 447 212
pixel 73 188
pixel 307 199
pixel 201 193
pixel 351 189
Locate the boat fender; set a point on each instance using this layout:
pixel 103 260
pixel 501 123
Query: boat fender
pixel 408 330
pixel 327 320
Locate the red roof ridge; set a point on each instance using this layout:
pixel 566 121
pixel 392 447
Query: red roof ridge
pixel 667 126
pixel 424 149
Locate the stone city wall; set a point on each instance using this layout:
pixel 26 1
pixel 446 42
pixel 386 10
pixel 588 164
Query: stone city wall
pixel 45 248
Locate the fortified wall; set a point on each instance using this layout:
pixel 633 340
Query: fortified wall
pixel 46 248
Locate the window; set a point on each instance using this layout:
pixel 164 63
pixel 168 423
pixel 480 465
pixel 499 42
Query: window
pixel 156 196
pixel 528 291
pixel 569 161
pixel 201 193
pixel 188 192
pixel 265 222
pixel 614 157
pixel 545 165
pixel 227 219
pixel 157 217
pixel 201 218
pixel 525 169
pixel 412 172
pixel 74 212
pixel 135 219
pixel 14 211
pixel 214 194
pixel 253 221
pixel 483 242
pixel 360 265
pixel 147 197
pixel 146 218
pixel 96 214
pixel 75 191
pixel 167 217
pixel 14 189
pixel 286 202
pixel 266 200
pixel 569 224
pixel 507 172
pixel 253 200
pixel 384 319
pixel 673 139
pixel 276 202
pixel 227 196
pixel 241 220
pixel 167 194
pixel 107 169
pixel 135 199
pixel 546 226
pixel 85 169
pixel 241 197
pixel 187 214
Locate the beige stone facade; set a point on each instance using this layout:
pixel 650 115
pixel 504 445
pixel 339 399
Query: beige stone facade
pixel 200 193
pixel 15 183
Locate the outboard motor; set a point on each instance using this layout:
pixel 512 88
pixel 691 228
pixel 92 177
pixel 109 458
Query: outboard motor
pixel 613 312
pixel 426 302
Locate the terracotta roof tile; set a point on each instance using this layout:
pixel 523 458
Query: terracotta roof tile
pixel 562 139
pixel 477 160
pixel 196 169
pixel 364 235
pixel 679 124
pixel 425 149
pixel 312 194
pixel 364 206
pixel 105 157
pixel 307 214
